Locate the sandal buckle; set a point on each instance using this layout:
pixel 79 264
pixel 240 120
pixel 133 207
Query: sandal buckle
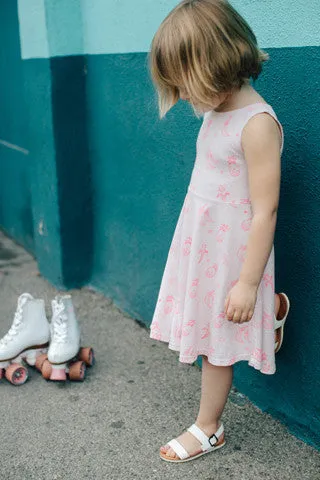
pixel 216 440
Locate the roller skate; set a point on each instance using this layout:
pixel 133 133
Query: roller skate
pixel 65 357
pixel 27 338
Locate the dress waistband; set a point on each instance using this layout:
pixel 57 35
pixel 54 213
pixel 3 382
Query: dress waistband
pixel 220 198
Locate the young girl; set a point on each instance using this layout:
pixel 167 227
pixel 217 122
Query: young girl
pixel 217 295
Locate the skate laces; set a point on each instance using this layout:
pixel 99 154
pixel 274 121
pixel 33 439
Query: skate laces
pixel 17 321
pixel 59 322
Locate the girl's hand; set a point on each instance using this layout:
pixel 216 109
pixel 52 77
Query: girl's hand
pixel 240 302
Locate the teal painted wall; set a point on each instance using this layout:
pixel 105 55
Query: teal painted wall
pixel 61 174
pixel 278 23
pixel 293 394
pixel 133 155
pixel 104 26
pixel 33 28
pixel 106 179
pixel 49 29
pixel 64 27
pixel 15 161
pixel 141 169
pixel 43 204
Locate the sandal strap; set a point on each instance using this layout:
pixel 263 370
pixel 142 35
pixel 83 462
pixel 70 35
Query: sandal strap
pixel 206 442
pixel 178 449
pixel 278 323
pixel 283 311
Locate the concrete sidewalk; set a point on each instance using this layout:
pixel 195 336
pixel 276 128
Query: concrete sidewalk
pixel 136 398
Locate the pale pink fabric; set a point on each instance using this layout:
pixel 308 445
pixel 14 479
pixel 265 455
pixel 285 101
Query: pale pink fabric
pixel 207 253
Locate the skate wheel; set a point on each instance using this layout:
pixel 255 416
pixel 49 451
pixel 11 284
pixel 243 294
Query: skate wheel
pixel 1 373
pixel 58 374
pixel 16 374
pixel 86 355
pixel 40 361
pixel 77 371
pixel 46 369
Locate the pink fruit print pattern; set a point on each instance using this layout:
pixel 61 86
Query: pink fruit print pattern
pixel 155 331
pixel 209 299
pixel 246 224
pixel 259 355
pixel 187 328
pixel 225 131
pixel 194 288
pixel 267 321
pixel 242 253
pixel 220 320
pixel 202 252
pixel 266 367
pixel 242 334
pixel 223 229
pixel 212 271
pixel 205 216
pixel 211 352
pixel 169 305
pixel 223 193
pixel 268 280
pixel 190 351
pixel 187 246
pixel 234 168
pixel 212 162
pixel 205 331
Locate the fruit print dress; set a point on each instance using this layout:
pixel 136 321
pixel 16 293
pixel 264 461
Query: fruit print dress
pixel 207 252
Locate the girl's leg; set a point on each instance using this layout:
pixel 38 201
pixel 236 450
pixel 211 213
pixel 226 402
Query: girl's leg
pixel 215 388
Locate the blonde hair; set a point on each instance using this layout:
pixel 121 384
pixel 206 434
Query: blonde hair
pixel 206 48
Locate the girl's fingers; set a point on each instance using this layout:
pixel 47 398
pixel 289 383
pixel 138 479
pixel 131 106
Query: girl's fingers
pixel 245 316
pixel 230 313
pixel 237 316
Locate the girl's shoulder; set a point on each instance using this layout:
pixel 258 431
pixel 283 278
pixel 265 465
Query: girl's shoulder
pixel 239 118
pixel 230 127
pixel 258 126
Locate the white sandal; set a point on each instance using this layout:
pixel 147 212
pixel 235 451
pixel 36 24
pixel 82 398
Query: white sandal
pixel 208 444
pixel 280 320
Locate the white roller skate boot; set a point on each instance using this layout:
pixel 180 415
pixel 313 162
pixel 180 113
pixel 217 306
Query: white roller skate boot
pixel 27 339
pixel 64 355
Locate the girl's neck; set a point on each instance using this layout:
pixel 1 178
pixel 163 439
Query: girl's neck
pixel 239 99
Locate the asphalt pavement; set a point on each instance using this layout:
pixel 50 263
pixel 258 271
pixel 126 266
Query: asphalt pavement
pixel 135 398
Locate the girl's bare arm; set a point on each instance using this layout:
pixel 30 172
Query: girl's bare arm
pixel 261 142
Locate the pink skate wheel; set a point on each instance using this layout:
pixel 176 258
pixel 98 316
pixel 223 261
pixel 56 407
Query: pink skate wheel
pixel 87 356
pixel 16 374
pixel 58 374
pixel 46 369
pixel 40 360
pixel 77 371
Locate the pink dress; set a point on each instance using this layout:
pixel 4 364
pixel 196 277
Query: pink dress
pixel 207 253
